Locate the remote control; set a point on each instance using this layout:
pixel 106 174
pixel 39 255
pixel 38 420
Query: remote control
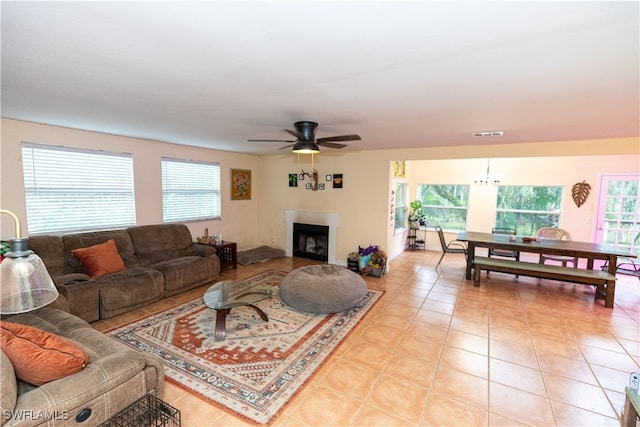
pixel 634 381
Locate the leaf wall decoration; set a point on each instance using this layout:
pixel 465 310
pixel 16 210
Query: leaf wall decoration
pixel 580 192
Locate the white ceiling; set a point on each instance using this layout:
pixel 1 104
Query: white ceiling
pixel 400 74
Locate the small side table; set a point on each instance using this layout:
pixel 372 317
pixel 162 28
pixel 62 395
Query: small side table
pixel 631 408
pixel 228 254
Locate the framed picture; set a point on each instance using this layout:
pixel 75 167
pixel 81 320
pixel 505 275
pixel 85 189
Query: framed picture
pixel 328 178
pixel 240 184
pixel 308 186
pixel 293 180
pixel 321 186
pixel 399 169
pixel 337 180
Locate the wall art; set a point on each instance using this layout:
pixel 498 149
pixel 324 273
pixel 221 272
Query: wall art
pixel 293 180
pixel 337 180
pixel 240 184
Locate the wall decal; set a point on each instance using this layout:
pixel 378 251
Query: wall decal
pixel 580 192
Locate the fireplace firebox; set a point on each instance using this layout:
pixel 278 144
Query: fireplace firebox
pixel 311 241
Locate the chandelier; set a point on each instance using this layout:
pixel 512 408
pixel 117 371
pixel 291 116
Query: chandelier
pixel 488 178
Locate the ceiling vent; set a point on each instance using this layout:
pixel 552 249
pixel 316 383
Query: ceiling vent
pixel 493 133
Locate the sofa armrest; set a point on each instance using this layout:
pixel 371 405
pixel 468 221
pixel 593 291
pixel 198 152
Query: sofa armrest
pixel 201 250
pixel 73 391
pixel 82 294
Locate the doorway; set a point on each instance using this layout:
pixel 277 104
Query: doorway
pixel 618 211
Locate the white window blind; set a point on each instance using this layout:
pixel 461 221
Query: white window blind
pixel 190 190
pixel 70 189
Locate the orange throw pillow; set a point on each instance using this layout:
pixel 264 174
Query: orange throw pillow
pixel 100 259
pixel 38 356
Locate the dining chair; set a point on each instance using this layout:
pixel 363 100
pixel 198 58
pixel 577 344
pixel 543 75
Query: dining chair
pixel 627 265
pixel 554 233
pixel 453 247
pixel 501 252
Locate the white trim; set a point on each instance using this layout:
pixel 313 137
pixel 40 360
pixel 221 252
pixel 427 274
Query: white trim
pixel 330 219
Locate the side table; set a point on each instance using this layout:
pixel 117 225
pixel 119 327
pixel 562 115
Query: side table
pixel 228 254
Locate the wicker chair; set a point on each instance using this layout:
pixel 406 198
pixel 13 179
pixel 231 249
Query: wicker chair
pixel 554 233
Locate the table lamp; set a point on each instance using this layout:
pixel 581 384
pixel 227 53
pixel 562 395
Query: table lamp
pixel 25 284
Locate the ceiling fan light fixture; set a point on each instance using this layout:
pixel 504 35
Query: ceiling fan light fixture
pixel 305 147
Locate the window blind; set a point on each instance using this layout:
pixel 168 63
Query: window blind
pixel 70 189
pixel 190 190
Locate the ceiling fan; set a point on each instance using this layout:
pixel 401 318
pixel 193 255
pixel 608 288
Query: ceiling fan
pixel 306 142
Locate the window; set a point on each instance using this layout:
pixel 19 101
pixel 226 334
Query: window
pixel 190 190
pixel 70 189
pixel 528 208
pixel 401 206
pixel 445 205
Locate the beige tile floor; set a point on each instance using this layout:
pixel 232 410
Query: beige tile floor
pixel 435 350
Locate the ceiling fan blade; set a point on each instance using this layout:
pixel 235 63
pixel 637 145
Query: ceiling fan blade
pixel 268 140
pixel 286 146
pixel 295 133
pixel 340 138
pixel 330 144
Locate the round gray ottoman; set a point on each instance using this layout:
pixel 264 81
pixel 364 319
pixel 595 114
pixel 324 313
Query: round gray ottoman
pixel 322 289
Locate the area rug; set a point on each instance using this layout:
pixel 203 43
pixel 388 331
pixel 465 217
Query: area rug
pixel 260 365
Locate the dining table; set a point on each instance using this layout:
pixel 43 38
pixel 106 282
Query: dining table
pixel 572 248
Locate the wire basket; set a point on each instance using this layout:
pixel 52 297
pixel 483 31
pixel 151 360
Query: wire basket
pixel 148 411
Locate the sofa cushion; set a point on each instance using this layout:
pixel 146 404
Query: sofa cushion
pixel 129 289
pixel 187 272
pixel 101 259
pixel 160 242
pixel 38 356
pixel 84 240
pixel 51 250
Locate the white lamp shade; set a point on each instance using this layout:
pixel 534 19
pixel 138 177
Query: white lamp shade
pixel 25 285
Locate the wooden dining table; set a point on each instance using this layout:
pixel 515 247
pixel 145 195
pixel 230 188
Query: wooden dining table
pixel 572 248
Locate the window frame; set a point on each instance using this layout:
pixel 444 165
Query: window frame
pixel 66 189
pixel 425 206
pixel 401 211
pixel 557 211
pixel 184 191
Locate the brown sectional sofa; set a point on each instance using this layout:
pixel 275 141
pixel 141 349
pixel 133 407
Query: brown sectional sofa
pixel 161 260
pixel 115 377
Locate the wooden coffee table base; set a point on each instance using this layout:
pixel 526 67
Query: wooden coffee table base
pixel 221 320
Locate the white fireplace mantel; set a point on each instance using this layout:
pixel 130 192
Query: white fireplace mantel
pixel 332 220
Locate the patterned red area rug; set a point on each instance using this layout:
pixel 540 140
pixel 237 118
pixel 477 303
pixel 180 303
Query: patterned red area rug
pixel 260 365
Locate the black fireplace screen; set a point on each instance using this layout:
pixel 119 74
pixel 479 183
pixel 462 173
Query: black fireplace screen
pixel 311 241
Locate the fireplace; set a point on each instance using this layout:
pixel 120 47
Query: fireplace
pixel 311 241
pixel 327 219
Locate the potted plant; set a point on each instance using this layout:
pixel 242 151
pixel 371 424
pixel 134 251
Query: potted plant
pixel 415 215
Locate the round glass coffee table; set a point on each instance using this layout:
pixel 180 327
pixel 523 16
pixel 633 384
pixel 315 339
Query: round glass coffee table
pixel 222 297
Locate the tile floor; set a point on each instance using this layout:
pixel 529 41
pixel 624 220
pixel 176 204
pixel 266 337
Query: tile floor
pixel 435 351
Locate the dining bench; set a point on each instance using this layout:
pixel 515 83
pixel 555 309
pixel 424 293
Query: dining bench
pixel 605 283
